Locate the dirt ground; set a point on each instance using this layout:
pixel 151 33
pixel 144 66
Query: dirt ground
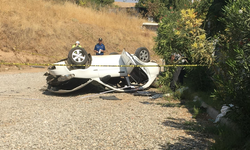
pixel 32 118
pixel 21 69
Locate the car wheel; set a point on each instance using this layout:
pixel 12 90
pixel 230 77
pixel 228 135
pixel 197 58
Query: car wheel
pixel 113 53
pixel 143 54
pixel 78 56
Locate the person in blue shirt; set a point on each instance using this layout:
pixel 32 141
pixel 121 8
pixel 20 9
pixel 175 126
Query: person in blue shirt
pixel 99 47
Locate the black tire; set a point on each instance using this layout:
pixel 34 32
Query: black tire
pixel 78 56
pixel 113 53
pixel 143 54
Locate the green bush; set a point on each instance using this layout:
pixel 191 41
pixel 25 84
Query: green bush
pixel 227 139
pixel 160 8
pixel 200 78
pixel 166 34
pixel 232 78
pixel 164 81
pixel 180 32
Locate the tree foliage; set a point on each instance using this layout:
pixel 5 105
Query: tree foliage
pixel 202 8
pixel 85 2
pixel 233 75
pixel 177 4
pixel 214 13
pixel 180 32
pixel 159 8
pixel 166 36
pixel 103 2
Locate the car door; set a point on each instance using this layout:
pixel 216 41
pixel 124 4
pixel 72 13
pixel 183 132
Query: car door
pixel 128 60
pixel 109 65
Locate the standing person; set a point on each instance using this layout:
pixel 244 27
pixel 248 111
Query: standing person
pixel 179 72
pixel 99 47
pixel 77 44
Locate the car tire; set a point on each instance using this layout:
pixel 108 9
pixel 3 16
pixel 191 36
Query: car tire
pixel 113 53
pixel 77 56
pixel 143 54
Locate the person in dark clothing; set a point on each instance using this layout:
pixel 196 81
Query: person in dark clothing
pixel 99 47
pixel 179 73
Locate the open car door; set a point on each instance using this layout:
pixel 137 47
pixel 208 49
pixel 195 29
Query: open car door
pixel 128 60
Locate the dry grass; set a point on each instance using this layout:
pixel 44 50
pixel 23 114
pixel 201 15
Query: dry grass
pixel 43 28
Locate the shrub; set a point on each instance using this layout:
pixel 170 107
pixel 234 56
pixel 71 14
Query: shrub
pixel 200 78
pixel 180 32
pixel 232 78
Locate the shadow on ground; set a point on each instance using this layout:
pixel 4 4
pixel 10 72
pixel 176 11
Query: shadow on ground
pixel 199 130
pixel 91 88
pixel 197 139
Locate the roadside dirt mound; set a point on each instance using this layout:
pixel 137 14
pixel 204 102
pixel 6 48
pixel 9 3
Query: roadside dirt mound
pixel 41 32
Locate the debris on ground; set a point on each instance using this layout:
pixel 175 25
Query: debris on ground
pixel 144 93
pixel 112 97
pixel 181 90
pixel 223 110
pixel 153 95
pixel 196 98
pixel 156 96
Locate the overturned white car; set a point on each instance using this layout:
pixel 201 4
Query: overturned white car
pixel 80 69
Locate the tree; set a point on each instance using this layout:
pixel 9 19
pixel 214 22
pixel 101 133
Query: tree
pixel 181 33
pixel 104 2
pixel 214 13
pixel 158 8
pixel 94 2
pixel 177 4
pixel 233 76
pixel 152 8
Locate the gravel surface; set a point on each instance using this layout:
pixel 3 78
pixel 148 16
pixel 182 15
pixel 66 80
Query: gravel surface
pixel 33 119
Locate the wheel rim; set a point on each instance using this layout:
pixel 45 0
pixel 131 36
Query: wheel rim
pixel 143 55
pixel 77 56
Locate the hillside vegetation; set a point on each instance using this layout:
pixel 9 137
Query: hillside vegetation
pixel 38 31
